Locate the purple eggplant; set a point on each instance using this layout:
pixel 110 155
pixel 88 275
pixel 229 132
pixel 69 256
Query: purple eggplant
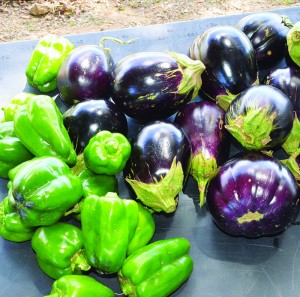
pixel 85 74
pixel 287 80
pixel 253 195
pixel 267 32
pixel 159 165
pixel 85 119
pixel 152 86
pixel 230 62
pixel 260 118
pixel 203 122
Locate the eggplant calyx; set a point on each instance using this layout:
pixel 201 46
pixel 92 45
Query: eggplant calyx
pixel 253 129
pixel 293 43
pixel 293 166
pixel 203 169
pixel 249 217
pixel 292 143
pixel 224 100
pixel 287 21
pixel 191 74
pixel 161 195
pixel 79 262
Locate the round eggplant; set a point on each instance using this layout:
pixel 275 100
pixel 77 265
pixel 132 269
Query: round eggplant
pixel 260 118
pixel 253 195
pixel 267 32
pixel 230 62
pixel 203 122
pixel 288 81
pixel 159 165
pixel 152 86
pixel 86 119
pixel 85 74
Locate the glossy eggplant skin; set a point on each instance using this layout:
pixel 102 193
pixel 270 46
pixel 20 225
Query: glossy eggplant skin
pixel 203 123
pixel 153 151
pixel 267 32
pixel 260 118
pixel 253 195
pixel 230 62
pixel 85 74
pixel 145 86
pixel 286 80
pixel 85 119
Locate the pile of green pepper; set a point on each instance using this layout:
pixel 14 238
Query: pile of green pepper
pixel 49 186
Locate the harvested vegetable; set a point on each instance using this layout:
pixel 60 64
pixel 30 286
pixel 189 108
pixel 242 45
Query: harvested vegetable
pixel 203 122
pixel 230 62
pixel 159 165
pixel 151 86
pixel 253 195
pixel 260 118
pixel 157 269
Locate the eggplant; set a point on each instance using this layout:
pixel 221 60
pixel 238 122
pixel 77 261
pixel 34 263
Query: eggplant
pixel 287 80
pixel 86 119
pixel 230 62
pixel 151 86
pixel 253 195
pixel 260 118
pixel 203 123
pixel 267 32
pixel 85 74
pixel 159 165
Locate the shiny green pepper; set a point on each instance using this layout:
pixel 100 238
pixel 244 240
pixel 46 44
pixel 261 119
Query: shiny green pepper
pixel 79 286
pixel 12 151
pixel 39 126
pixel 156 269
pixel 11 226
pixel 93 184
pixel 59 250
pixel 14 104
pixel 107 153
pixel 144 231
pixel 41 190
pixel 108 225
pixel 45 61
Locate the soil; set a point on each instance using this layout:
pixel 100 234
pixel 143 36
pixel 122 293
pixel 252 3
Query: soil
pixel 24 20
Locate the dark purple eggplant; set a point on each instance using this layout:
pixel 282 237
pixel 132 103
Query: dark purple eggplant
pixel 85 119
pixel 260 118
pixel 287 80
pixel 253 195
pixel 152 86
pixel 203 122
pixel 159 165
pixel 267 32
pixel 85 74
pixel 230 62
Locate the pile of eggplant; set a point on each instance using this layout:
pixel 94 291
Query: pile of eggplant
pixel 227 114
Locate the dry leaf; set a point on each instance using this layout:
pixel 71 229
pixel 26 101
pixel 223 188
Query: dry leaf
pixel 39 9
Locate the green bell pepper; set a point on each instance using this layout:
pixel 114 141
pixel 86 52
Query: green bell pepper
pixel 79 286
pixel 93 184
pixel 41 190
pixel 11 226
pixel 59 250
pixel 144 231
pixel 14 104
pixel 156 269
pixel 108 225
pixel 12 151
pixel 45 61
pixel 39 126
pixel 107 153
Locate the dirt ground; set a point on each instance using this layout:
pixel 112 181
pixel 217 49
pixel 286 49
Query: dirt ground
pixel 23 20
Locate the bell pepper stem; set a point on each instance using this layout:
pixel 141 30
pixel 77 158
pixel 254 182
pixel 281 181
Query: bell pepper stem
pixel 53 295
